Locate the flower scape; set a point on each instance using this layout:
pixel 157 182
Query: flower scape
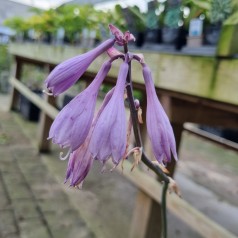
pixel 105 135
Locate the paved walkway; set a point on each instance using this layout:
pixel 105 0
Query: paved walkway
pixel 34 202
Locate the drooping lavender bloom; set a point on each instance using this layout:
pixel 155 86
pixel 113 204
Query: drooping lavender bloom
pixel 158 126
pixel 81 160
pixel 109 135
pixel 71 126
pixel 68 72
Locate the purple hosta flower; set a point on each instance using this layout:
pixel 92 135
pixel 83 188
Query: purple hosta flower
pixel 68 72
pixel 158 126
pixel 121 39
pixel 71 126
pixel 80 161
pixel 109 135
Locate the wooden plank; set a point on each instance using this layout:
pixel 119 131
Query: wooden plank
pixel 37 100
pixel 179 207
pixel 211 137
pixel 49 54
pixel 189 74
pixel 225 85
pixel 202 112
pixel 185 74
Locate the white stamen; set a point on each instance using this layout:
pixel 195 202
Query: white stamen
pixel 111 170
pixel 134 150
pixel 47 93
pixel 139 114
pixel 79 186
pixel 137 158
pixel 66 156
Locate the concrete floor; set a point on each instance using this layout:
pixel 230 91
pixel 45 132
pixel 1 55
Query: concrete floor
pixel 206 174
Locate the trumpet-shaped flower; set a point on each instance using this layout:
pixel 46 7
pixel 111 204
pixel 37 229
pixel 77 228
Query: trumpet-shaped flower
pixel 81 160
pixel 68 72
pixel 158 126
pixel 109 135
pixel 71 126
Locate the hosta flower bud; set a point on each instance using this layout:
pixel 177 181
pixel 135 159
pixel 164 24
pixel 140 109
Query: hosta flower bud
pixel 158 126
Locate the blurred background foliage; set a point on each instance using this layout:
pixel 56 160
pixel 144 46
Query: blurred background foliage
pixel 74 19
pixel 214 11
pixel 71 18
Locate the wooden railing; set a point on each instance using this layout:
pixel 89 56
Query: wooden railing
pixel 191 88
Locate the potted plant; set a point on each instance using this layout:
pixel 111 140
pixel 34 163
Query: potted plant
pixel 172 21
pixel 20 26
pixel 136 22
pixel 193 18
pixel 153 20
pixel 219 12
pixel 215 13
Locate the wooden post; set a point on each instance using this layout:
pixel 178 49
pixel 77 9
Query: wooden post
pixel 146 220
pixel 44 127
pixel 45 124
pixel 15 95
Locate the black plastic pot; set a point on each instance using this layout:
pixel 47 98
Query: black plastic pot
pixel 169 35
pixel 28 110
pixel 181 39
pixel 154 36
pixel 212 34
pixel 140 39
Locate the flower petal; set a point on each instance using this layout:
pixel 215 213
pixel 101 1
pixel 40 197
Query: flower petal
pixel 109 135
pixel 68 72
pixel 72 125
pixel 116 32
pixel 158 126
pixel 79 164
pixel 129 37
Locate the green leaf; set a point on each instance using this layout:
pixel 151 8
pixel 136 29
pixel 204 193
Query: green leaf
pixel 205 4
pixel 232 20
